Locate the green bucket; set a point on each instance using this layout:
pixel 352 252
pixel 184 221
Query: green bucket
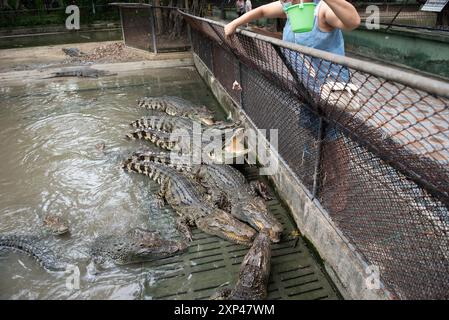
pixel 301 16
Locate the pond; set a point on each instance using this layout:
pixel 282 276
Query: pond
pixel 50 163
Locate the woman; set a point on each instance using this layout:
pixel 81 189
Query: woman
pixel 240 6
pixel 331 17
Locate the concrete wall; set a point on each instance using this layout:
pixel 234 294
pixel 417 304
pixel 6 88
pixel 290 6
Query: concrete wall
pixel 344 265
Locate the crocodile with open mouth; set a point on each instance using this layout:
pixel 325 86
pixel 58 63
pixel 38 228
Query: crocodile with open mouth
pixel 254 273
pixel 227 187
pixel 184 196
pixel 55 224
pixel 176 106
pixel 134 246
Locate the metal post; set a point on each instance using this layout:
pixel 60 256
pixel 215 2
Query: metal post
pixel 240 82
pixel 123 27
pixel 316 175
pixel 153 29
pixel 189 36
pixel 293 73
pixel 321 124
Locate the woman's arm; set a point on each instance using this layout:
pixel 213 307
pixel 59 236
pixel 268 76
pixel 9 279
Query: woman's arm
pixel 342 15
pixel 270 10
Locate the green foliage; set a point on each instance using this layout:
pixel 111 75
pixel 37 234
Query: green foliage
pixel 40 5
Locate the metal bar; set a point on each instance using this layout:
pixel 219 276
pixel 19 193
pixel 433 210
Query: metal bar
pixel 303 89
pixel 410 174
pixel 397 13
pixel 240 83
pixel 121 23
pixel 153 29
pixel 317 165
pixel 189 36
pixel 432 86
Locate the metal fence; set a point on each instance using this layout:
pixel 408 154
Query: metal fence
pixel 56 16
pixel 405 15
pixel 153 28
pixel 375 154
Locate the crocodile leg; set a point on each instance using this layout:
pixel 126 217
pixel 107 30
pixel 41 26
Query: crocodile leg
pixel 183 226
pixel 261 188
pixel 160 196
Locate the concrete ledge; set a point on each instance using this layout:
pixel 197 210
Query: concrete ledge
pixel 344 265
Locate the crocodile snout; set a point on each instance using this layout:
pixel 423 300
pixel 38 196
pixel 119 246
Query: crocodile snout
pixel 221 224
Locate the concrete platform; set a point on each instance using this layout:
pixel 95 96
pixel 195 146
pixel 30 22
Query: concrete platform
pixel 212 263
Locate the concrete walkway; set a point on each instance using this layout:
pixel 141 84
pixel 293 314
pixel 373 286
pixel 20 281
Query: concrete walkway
pixel 25 65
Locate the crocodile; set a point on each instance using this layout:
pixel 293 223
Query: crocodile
pixel 176 106
pixel 186 143
pixel 171 123
pixel 134 246
pixel 227 187
pixel 85 72
pixel 55 224
pixel 33 246
pixel 73 52
pixel 185 197
pixel 254 273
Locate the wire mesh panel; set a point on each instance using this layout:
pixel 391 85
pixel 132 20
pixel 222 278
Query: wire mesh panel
pixel 379 138
pixel 398 226
pixel 137 27
pixel 170 29
pixel 404 14
pixel 226 69
pixel 270 107
pixel 153 28
pixel 203 47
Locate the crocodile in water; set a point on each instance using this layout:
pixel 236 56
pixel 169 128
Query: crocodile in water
pixel 227 187
pixel 176 106
pixel 184 196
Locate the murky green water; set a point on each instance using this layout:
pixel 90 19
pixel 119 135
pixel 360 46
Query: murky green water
pixel 49 164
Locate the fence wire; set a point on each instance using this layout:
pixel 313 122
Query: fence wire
pixel 405 15
pixel 151 28
pixel 374 144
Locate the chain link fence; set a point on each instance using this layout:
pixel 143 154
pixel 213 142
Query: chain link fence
pixel 370 143
pixel 153 28
pixel 404 14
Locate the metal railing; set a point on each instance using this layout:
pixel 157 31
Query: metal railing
pixel 371 143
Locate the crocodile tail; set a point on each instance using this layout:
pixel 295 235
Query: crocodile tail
pixel 138 134
pixel 33 247
pixel 139 123
pixel 144 168
pixel 142 134
pixel 152 104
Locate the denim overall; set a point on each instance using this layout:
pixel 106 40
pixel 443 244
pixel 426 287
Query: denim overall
pixel 327 41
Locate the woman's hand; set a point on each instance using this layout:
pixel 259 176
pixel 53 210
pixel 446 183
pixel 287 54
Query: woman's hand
pixel 229 29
